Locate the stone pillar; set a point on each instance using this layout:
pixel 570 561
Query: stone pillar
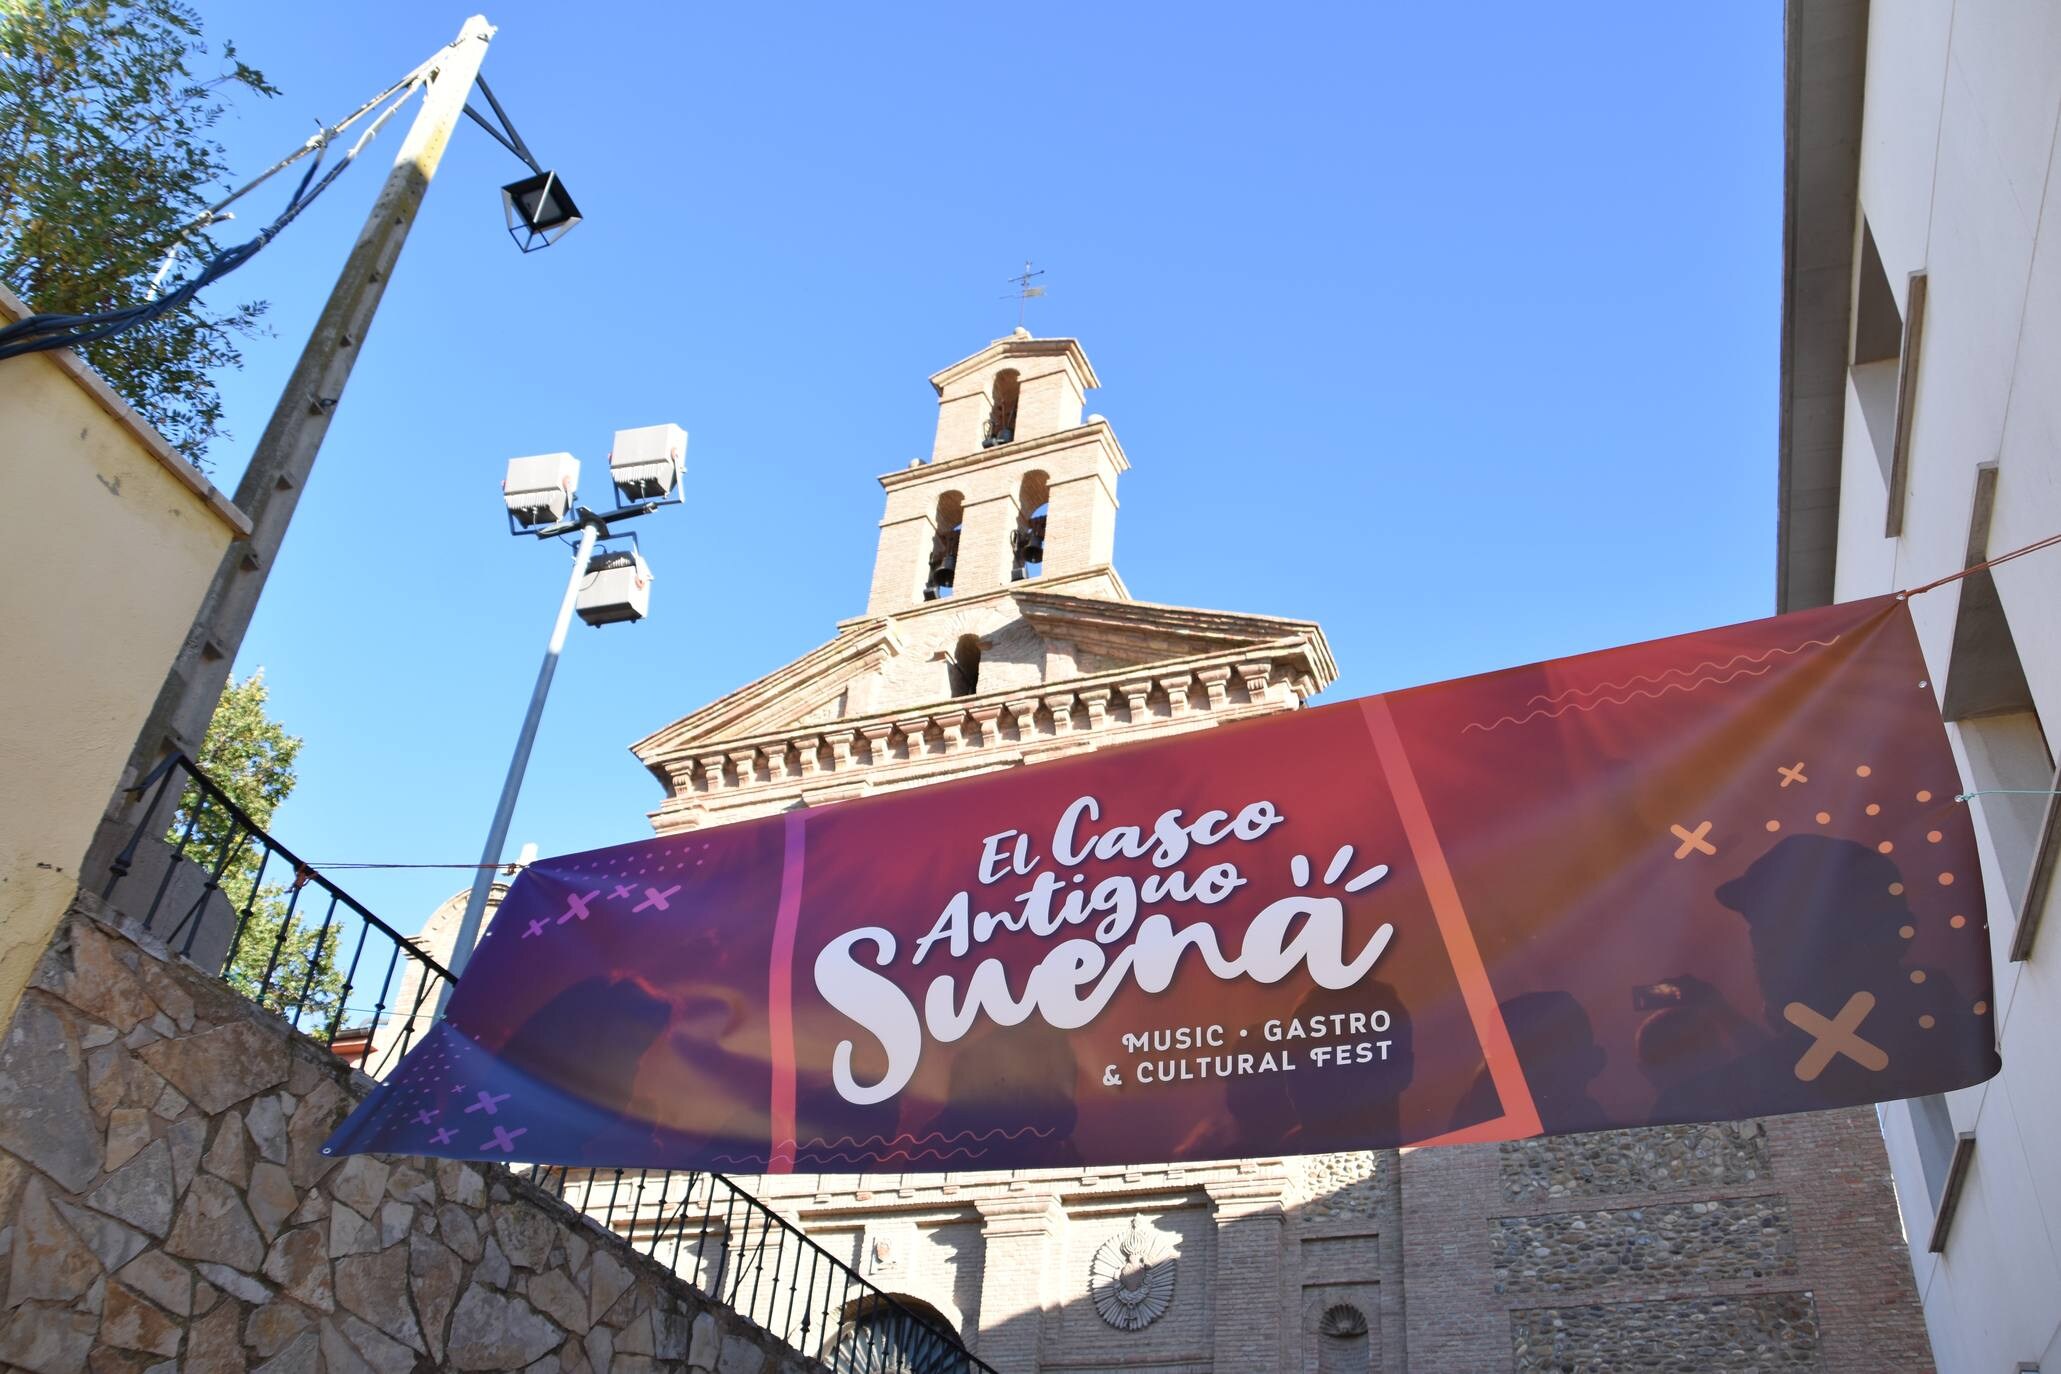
pixel 1249 1218
pixel 1080 523
pixel 1048 400
pixel 901 564
pixel 985 532
pixel 1452 1317
pixel 962 415
pixel 1022 1233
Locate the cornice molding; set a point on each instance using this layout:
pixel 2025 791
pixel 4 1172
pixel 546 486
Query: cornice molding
pixel 1086 432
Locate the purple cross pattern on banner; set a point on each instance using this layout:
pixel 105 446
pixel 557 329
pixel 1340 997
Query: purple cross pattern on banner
pixel 451 1099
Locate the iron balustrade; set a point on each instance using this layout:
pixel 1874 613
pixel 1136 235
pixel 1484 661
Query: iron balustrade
pixel 227 895
pixel 737 1250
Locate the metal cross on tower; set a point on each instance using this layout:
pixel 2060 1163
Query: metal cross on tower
pixel 1024 290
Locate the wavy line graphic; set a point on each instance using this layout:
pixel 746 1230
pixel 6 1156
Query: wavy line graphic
pixel 1684 687
pixel 928 1138
pixel 1657 679
pixel 1688 684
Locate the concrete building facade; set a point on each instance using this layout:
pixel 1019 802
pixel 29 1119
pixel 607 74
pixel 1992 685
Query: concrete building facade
pixel 95 612
pixel 1921 435
pixel 998 634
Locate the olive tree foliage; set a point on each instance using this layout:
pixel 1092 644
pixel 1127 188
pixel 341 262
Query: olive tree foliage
pixel 107 157
pixel 285 956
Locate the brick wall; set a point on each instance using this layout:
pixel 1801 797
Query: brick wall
pixel 165 1205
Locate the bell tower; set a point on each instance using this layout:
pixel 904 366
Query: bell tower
pixel 1017 488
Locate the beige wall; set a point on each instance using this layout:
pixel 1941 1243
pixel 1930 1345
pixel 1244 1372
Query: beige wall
pixel 114 542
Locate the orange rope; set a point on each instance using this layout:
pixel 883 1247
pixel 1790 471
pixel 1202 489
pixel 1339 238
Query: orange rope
pixel 2034 547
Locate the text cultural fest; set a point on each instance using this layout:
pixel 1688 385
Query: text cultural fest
pixel 1107 933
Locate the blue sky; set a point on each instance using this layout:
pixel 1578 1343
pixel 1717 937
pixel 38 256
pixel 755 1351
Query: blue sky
pixel 1452 327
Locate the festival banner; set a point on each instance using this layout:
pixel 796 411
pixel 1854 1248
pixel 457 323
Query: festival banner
pixel 1715 876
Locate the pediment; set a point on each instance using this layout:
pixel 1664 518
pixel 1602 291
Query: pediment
pixel 814 687
pixel 1143 633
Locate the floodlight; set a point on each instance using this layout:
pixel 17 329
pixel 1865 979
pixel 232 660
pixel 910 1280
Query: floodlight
pixel 538 490
pixel 539 211
pixel 646 463
pixel 617 587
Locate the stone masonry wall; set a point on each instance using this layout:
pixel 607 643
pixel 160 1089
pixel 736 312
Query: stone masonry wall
pixel 165 1206
pixel 1767 1245
pixel 1764 1331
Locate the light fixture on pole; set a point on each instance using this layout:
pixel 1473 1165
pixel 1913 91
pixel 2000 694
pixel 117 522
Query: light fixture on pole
pixel 538 208
pixel 280 468
pixel 539 211
pixel 541 495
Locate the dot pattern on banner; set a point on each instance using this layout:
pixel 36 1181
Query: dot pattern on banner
pixel 1791 776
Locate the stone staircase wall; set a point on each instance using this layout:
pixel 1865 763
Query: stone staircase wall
pixel 165 1206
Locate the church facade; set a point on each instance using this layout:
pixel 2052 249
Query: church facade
pixel 998 634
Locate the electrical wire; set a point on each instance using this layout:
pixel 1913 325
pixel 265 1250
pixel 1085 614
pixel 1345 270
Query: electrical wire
pixel 37 333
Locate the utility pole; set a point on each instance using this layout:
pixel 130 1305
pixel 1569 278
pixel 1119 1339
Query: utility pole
pixel 285 455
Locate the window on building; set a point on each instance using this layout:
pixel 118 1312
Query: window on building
pixel 1001 426
pixel 1878 342
pixel 1027 545
pixel 944 547
pixel 1988 699
pixel 1934 1127
pixel 1885 368
pixel 964 666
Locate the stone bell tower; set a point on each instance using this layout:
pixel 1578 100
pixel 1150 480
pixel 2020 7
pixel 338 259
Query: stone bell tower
pixel 1017 485
pixel 1014 473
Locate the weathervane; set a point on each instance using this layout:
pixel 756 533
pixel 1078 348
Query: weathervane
pixel 1024 290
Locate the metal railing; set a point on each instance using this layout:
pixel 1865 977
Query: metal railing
pixel 228 896
pixel 739 1251
pixel 225 894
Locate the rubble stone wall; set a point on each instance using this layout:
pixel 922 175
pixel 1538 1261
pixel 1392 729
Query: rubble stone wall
pixel 165 1205
pixel 1760 1331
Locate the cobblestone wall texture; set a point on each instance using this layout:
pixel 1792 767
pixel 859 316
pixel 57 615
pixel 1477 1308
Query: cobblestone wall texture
pixel 1725 1154
pixel 165 1206
pixel 1340 1187
pixel 1686 1242
pixel 1761 1331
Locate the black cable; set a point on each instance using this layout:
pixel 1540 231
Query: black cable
pixel 37 333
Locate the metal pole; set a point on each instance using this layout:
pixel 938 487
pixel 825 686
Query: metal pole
pixel 504 812
pixel 285 455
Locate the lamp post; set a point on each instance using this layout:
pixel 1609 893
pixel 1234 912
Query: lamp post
pixel 645 468
pixel 279 469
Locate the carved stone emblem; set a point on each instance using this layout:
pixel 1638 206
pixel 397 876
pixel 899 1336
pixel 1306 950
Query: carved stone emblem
pixel 1131 1277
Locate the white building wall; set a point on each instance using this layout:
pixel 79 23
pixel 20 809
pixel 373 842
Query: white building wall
pixel 1960 177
